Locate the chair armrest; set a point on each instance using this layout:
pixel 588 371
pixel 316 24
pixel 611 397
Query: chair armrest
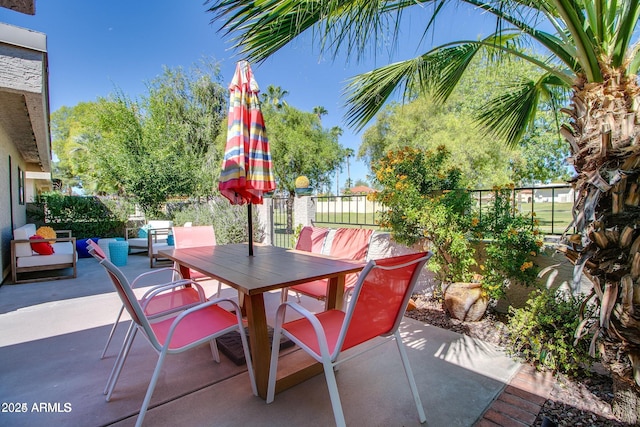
pixel 149 273
pixel 153 234
pixel 315 323
pixel 56 240
pixel 128 230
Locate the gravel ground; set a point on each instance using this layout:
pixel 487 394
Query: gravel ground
pixel 574 402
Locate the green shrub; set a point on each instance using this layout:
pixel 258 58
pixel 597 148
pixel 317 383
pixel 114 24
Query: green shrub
pixel 84 216
pixel 542 333
pixel 229 221
pixel 196 213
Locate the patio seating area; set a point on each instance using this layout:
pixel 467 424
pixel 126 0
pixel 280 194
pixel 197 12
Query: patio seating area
pixel 52 334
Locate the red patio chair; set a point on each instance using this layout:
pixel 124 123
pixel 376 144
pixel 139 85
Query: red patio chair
pixel 193 237
pixel 311 239
pixel 379 301
pixel 348 243
pixel 177 333
pixel 174 300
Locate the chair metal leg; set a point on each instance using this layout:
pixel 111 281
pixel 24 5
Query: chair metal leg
pixel 247 356
pixel 174 275
pixel 332 385
pixel 410 377
pixel 118 357
pixel 118 368
pixel 273 365
pixel 152 386
pixel 214 350
pixel 113 330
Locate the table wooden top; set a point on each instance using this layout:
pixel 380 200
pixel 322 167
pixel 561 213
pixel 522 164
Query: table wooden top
pixel 269 268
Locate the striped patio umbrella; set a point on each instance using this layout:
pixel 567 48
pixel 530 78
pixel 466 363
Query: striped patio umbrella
pixel 246 169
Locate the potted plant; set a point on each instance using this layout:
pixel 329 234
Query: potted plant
pixel 427 206
pixel 302 186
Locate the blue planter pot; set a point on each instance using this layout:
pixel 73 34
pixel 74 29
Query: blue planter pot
pixel 304 191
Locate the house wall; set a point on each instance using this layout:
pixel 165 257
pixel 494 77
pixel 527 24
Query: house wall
pixel 9 199
pixel 24 126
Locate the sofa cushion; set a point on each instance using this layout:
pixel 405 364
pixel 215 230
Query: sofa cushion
pixel 42 248
pixel 160 224
pixel 140 243
pixel 64 254
pixel 23 233
pixel 159 246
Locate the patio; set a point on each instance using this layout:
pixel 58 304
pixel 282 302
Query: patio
pixel 52 333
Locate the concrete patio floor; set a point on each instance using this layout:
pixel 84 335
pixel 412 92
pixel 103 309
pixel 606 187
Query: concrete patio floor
pixel 52 334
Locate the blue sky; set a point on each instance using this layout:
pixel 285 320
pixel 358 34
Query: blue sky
pixel 97 47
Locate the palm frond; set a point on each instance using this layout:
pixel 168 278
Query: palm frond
pixel 628 22
pixel 436 72
pixel 562 48
pixel 509 115
pixel 262 28
pixel 366 93
pixel 634 59
pixel 583 38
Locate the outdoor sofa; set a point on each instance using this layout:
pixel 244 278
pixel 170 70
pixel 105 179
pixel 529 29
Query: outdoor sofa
pixel 24 259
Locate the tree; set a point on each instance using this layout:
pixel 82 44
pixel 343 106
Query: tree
pixel 348 152
pixel 274 96
pixel 320 111
pixel 361 183
pixel 73 133
pixel 423 123
pixel 300 146
pixel 592 53
pixel 152 149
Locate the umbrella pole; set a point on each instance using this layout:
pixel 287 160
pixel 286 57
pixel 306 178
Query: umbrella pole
pixel 250 224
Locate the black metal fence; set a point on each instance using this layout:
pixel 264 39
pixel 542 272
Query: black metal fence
pixel 351 210
pixel 550 205
pixel 281 236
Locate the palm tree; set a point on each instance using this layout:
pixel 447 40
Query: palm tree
pixel 320 111
pixel 274 95
pixel 592 54
pixel 348 152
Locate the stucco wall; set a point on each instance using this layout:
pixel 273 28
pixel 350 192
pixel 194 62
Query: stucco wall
pixel 21 69
pixel 8 151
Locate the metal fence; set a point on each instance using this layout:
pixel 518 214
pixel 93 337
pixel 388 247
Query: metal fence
pixel 550 205
pixel 281 236
pixel 351 210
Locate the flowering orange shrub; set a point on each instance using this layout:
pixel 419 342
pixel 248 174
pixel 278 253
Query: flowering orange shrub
pixel 425 200
pixel 514 240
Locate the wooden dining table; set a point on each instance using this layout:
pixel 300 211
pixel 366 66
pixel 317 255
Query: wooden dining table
pixel 270 268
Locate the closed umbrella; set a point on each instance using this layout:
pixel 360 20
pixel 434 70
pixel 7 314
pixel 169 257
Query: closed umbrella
pixel 246 168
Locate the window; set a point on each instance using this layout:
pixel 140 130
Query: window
pixel 20 186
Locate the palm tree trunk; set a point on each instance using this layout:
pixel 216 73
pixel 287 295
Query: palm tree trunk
pixel 604 134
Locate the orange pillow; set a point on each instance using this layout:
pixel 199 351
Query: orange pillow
pixel 42 248
pixel 47 233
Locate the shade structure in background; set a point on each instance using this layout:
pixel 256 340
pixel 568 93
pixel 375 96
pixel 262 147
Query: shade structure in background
pixel 246 169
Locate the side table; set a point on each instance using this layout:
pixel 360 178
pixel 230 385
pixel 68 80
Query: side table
pixel 119 251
